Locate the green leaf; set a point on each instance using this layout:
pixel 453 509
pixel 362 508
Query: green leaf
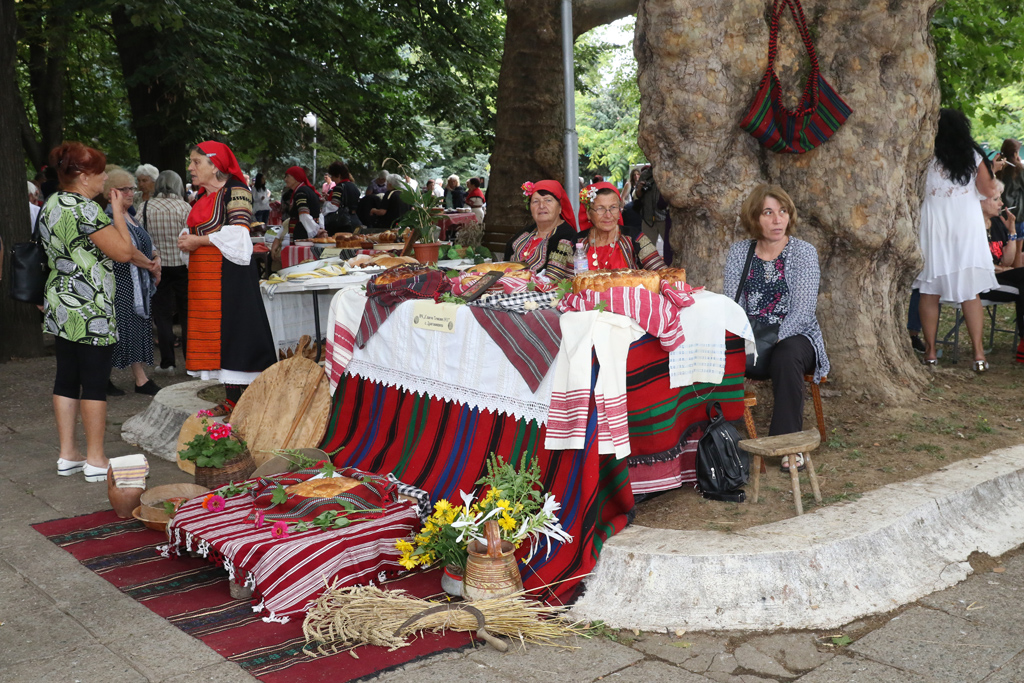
pixel 341 522
pixel 842 641
pixel 452 273
pixel 485 252
pixel 601 305
pixel 279 496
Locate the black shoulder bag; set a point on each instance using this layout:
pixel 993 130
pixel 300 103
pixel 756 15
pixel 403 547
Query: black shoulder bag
pixel 722 469
pixel 29 268
pixel 765 335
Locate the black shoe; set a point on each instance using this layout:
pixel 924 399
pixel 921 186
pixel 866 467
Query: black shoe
pixel 149 388
pixel 112 390
pixel 917 343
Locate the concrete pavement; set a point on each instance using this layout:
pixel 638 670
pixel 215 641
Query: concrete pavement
pixel 62 622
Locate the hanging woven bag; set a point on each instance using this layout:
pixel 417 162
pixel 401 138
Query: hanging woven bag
pixel 820 111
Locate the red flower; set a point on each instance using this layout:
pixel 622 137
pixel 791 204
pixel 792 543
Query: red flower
pixel 279 530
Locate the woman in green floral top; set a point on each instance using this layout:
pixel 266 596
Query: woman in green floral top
pixel 79 303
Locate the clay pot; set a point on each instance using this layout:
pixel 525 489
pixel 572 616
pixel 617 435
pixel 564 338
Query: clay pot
pixel 491 570
pixel 123 501
pixel 451 581
pixel 427 253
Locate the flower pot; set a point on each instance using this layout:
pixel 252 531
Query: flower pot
pixel 123 501
pixel 451 581
pixel 238 469
pixel 426 253
pixel 491 570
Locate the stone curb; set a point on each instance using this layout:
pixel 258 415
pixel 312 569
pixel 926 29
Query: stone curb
pixel 157 427
pixel 822 570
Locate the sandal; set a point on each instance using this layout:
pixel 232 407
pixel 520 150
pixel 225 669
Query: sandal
pixel 981 366
pixel 800 466
pixel 931 363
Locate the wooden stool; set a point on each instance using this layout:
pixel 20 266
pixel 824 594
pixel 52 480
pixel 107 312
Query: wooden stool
pixel 749 399
pixel 786 445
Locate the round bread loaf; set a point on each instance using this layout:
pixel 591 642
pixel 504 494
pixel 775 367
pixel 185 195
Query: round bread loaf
pixel 504 266
pixel 673 276
pixel 392 261
pixel 603 280
pixel 397 272
pixel 387 237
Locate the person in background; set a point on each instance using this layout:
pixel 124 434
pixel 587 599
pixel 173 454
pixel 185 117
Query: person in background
pixel 1006 249
pixel 81 246
pixel 597 179
pixel 428 189
pixel 367 204
pixel 135 284
pixel 392 208
pixel 379 185
pixel 957 261
pixel 475 199
pixel 454 195
pixel 627 189
pixel 411 182
pixel 1012 177
pixel 438 188
pixel 303 209
pixel 33 206
pixel 50 184
pixel 260 199
pixel 145 179
pixel 325 189
pixel 165 216
pixel 341 209
pixel 229 337
pixel 780 287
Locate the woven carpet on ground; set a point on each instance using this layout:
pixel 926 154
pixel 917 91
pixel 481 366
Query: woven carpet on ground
pixel 442 448
pixel 192 594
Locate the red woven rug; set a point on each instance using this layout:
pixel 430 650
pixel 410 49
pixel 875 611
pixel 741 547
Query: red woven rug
pixel 192 594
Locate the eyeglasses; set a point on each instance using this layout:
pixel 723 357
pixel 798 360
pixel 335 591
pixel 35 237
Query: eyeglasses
pixel 602 210
pixel 126 189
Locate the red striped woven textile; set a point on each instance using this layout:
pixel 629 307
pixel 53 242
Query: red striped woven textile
pixel 382 299
pixel 442 447
pixel 192 594
pixel 656 314
pixel 286 573
pixel 530 340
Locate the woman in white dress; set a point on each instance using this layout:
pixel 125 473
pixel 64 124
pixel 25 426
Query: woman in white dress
pixel 957 263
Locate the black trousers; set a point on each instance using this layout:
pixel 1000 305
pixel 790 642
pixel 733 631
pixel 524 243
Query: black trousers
pixel 792 358
pixel 171 294
pixel 1013 278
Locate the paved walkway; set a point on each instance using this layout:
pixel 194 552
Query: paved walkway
pixel 61 622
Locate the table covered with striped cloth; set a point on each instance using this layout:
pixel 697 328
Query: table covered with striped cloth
pixel 441 446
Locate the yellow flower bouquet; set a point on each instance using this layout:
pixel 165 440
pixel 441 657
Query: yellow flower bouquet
pixel 508 495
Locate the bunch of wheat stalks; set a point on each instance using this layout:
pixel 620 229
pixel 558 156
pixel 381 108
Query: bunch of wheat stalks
pixel 365 615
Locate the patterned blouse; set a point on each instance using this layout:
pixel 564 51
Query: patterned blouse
pixel 79 302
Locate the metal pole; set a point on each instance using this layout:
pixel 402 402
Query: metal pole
pixel 315 123
pixel 572 155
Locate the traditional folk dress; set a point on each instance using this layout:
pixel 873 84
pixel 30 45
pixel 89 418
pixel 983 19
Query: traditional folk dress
pixel 631 250
pixel 554 253
pixel 229 337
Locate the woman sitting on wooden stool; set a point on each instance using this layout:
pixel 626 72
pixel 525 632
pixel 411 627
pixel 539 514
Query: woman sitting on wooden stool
pixel 780 287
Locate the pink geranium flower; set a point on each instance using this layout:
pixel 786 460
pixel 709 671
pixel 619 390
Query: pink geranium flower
pixel 279 530
pixel 214 503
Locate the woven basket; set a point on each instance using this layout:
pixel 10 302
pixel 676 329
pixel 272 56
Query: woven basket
pixel 238 469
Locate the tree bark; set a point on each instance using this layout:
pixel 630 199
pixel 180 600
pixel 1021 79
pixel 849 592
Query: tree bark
pixel 159 103
pixel 20 326
pixel 46 31
pixel 858 196
pixel 529 121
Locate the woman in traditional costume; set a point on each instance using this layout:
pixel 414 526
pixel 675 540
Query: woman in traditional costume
pixel 475 199
pixel 547 244
pixel 229 338
pixel 610 244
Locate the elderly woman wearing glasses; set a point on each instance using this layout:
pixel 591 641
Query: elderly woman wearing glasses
pixel 610 245
pixel 547 244
pixel 135 282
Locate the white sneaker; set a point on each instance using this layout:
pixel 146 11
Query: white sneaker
pixel 67 468
pixel 94 474
pixel 164 371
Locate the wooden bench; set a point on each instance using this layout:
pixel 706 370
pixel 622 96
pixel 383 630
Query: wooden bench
pixel 785 445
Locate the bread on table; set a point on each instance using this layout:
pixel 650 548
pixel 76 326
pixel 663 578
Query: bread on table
pixel 322 240
pixel 503 266
pixel 322 488
pixel 396 273
pixel 350 242
pixel 673 276
pixel 392 261
pixel 387 237
pixel 603 280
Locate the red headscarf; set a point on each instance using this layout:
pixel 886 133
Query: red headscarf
pixel 299 174
pixel 555 188
pixel 584 218
pixel 221 156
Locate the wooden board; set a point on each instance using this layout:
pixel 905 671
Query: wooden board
pixel 267 409
pixel 189 429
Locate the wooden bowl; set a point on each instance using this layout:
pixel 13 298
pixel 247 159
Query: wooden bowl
pixel 152 518
pixel 158 494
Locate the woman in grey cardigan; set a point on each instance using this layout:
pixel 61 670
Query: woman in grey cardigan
pixel 781 287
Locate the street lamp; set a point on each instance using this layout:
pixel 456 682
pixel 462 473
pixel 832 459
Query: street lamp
pixel 310 120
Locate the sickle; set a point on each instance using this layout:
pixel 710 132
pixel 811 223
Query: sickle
pixel 481 632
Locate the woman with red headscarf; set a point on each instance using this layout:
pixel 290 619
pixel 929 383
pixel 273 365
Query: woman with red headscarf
pixel 547 244
pixel 229 337
pixel 610 244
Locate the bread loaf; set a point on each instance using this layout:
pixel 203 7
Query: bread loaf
pixel 322 488
pixel 323 240
pixel 387 237
pixel 504 266
pixel 392 261
pixel 396 273
pixel 673 276
pixel 603 280
pixel 351 243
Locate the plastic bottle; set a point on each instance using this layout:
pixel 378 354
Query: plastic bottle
pixel 580 262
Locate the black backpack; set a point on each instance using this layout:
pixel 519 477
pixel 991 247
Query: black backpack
pixel 722 469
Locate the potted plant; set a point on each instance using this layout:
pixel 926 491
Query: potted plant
pixel 219 454
pixel 421 218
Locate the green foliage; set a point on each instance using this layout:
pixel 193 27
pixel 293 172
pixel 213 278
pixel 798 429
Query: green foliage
pixel 978 50
pixel 280 495
pixel 999 115
pixel 205 451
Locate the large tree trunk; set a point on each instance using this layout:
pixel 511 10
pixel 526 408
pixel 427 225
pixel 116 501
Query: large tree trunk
pixel 20 326
pixel 529 122
pixel 858 196
pixel 45 29
pixel 159 103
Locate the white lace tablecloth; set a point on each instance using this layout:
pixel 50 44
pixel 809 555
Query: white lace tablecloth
pixel 464 366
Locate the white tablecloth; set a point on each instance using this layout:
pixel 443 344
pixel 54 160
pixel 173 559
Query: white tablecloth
pixel 290 306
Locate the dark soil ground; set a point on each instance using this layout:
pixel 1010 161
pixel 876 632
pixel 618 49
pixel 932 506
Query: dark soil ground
pixel 958 415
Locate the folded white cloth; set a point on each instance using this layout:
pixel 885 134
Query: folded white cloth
pixel 130 471
pixel 612 336
pixel 343 320
pixel 701 356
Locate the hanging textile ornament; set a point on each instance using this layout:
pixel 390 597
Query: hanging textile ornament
pixel 820 111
